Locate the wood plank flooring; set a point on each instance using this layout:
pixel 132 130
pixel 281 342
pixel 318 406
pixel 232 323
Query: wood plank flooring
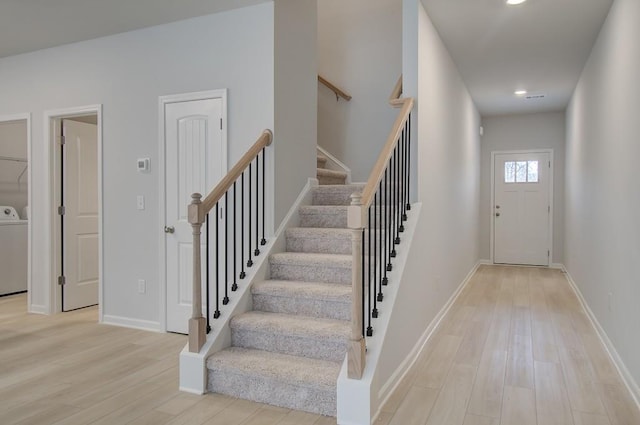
pixel 515 349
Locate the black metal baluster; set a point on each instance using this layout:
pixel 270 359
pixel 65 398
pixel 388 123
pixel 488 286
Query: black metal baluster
pixel 263 241
pixel 234 286
pixel 384 225
pixel 376 234
pixel 206 268
pixel 250 261
pixel 409 163
pixel 380 231
pixel 396 204
pixel 257 250
pixel 225 301
pixel 394 195
pixel 369 328
pixel 401 201
pixel 216 314
pixel 242 273
pixel 363 278
pixel 388 213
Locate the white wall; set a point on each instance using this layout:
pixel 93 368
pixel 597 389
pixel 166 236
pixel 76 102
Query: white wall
pixel 445 247
pixel 522 132
pixel 126 73
pixel 13 143
pixel 359 50
pixel 602 237
pixel 296 101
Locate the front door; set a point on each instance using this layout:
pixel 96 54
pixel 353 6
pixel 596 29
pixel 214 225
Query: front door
pixel 80 217
pixel 522 208
pixel 195 162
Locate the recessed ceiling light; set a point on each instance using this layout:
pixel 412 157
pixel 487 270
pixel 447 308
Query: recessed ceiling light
pixel 520 92
pixel 515 2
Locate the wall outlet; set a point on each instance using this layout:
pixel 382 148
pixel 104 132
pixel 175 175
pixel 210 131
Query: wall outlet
pixel 140 202
pixel 142 286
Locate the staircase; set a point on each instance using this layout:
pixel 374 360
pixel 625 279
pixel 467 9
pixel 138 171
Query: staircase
pixel 289 350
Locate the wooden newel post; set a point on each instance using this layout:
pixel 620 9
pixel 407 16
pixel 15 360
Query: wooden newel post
pixel 356 350
pixel 197 323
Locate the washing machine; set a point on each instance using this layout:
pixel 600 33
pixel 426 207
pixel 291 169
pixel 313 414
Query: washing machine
pixel 13 252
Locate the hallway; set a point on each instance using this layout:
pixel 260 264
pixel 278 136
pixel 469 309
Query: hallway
pixel 515 349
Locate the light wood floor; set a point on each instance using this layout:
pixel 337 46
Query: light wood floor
pixel 516 348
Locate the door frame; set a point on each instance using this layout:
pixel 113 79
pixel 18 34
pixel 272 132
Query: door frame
pixel 26 117
pixel 53 294
pixel 162 102
pixel 493 194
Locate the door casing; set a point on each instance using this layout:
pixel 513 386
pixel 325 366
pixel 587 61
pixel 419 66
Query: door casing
pixel 491 206
pixel 51 128
pixel 162 102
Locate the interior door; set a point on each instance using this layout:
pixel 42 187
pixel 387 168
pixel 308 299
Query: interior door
pixel 195 162
pixel 80 218
pixel 522 210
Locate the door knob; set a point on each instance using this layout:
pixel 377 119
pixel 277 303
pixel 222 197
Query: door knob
pixel 497 214
pixel 169 229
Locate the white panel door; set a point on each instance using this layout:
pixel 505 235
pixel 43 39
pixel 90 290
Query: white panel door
pixel 194 163
pixel 521 212
pixel 80 220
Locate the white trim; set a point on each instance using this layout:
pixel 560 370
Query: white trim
pixel 401 372
pixel 337 164
pixel 162 102
pixel 27 117
pixel 623 371
pixel 551 182
pixel 52 295
pixel 38 309
pixel 127 322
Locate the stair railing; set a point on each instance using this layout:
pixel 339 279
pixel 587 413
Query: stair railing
pixel 335 89
pixel 376 217
pixel 199 211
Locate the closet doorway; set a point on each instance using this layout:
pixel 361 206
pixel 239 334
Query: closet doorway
pixel 14 205
pixel 76 210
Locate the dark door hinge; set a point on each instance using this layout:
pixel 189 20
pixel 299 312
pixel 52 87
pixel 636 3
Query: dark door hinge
pixel 61 210
pixel 62 280
pixel 61 140
pixel 220 123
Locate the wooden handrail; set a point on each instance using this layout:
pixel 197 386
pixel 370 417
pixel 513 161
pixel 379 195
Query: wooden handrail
pixel 394 99
pixel 337 90
pixel 378 170
pixel 218 192
pixel 197 212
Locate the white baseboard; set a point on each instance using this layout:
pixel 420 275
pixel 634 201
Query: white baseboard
pixel 126 322
pixel 38 309
pixel 401 372
pixel 622 369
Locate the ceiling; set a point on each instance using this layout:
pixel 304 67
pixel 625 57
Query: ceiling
pixel 28 25
pixel 540 46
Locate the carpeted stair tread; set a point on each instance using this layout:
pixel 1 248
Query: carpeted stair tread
pixel 289 324
pixel 321 161
pixel 318 338
pixel 334 216
pixel 335 194
pixel 310 267
pixel 311 299
pixel 304 258
pixel 278 379
pixel 309 290
pixel 326 176
pixel 319 240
